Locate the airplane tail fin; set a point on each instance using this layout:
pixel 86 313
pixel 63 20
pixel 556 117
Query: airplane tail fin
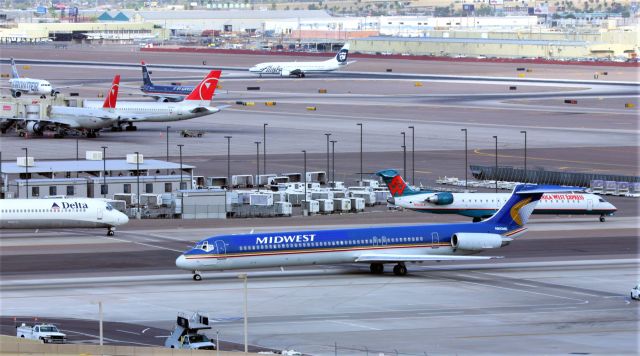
pixel 515 213
pixel 146 79
pixel 341 56
pixel 14 70
pixel 207 87
pixel 397 186
pixel 112 96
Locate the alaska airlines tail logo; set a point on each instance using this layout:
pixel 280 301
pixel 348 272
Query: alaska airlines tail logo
pixel 397 186
pixel 55 207
pixel 342 55
pixel 517 213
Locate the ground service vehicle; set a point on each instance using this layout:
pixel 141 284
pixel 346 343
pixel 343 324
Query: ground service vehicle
pixel 47 333
pixel 635 292
pixel 185 334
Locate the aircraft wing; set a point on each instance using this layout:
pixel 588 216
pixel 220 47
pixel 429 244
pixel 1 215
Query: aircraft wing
pixel 169 97
pixel 126 117
pixel 383 257
pixel 52 120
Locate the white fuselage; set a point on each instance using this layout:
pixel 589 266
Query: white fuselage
pixel 158 111
pixel 487 203
pixel 85 118
pixel 58 213
pixel 285 68
pixel 31 86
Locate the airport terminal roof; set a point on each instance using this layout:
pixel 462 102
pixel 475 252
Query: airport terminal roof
pixel 226 14
pixel 477 40
pixel 88 166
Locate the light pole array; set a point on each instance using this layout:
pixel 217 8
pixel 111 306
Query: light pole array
pixel 328 167
pixel 404 153
pixel 257 164
pixel 413 155
pixel 496 175
pixel 526 176
pixel 104 172
pixel 466 162
pixel 229 185
pixel 264 147
pixel 360 124
pixel 26 169
pixel 333 161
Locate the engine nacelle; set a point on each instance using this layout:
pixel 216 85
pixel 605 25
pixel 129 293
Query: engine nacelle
pixel 34 127
pixel 440 199
pixel 16 93
pixel 478 241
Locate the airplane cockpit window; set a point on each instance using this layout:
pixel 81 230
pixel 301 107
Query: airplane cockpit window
pixel 109 207
pixel 601 200
pixel 204 245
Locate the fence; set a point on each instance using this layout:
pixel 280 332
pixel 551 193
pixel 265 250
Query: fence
pixel 541 176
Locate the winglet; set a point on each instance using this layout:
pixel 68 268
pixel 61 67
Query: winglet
pixel 205 90
pixel 112 96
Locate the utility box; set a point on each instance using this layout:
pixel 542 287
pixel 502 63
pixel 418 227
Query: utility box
pixel 135 158
pixel 93 155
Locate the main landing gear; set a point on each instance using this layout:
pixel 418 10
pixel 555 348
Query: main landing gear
pixel 399 270
pixel 602 218
pixel 131 127
pixel 196 275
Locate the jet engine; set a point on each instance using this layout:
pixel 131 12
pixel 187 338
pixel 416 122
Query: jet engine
pixel 440 199
pixel 478 241
pixel 34 127
pixel 16 94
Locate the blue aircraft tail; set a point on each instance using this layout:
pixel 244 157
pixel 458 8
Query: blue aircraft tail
pixel 397 186
pixel 14 70
pixel 515 213
pixel 146 79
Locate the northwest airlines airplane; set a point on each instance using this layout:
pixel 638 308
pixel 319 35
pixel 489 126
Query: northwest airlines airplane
pixel 59 213
pixel 375 246
pixel 482 205
pixel 300 69
pixel 61 119
pixel 196 104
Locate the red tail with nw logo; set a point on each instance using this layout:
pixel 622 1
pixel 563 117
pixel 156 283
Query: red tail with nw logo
pixel 112 96
pixel 206 88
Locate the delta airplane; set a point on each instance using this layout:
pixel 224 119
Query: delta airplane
pixel 62 118
pixel 482 205
pixel 59 213
pixel 196 104
pixel 375 246
pixel 163 93
pixel 19 86
pixel 300 69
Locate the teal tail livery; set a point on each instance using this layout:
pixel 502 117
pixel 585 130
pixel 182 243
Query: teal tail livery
pixel 376 246
pixel 397 186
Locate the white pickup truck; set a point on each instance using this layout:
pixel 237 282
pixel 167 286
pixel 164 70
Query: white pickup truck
pixel 47 333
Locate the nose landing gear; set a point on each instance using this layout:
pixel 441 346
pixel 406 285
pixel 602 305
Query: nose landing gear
pixel 197 276
pixel 111 231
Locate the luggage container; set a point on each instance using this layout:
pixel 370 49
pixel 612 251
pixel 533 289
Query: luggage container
pixel 337 185
pixel 597 186
pixel 279 196
pixel 610 187
pixel 242 181
pixel 326 194
pixel 167 199
pixel 340 193
pixel 283 208
pixel 369 183
pixel 634 188
pixel 622 188
pixel 262 199
pixel 275 180
pixel 312 206
pixel 151 200
pixel 357 204
pixel 199 182
pixel 293 177
pixel 341 204
pixel 217 181
pixel 368 197
pixel 244 196
pixel 232 198
pixel 264 179
pixel 296 198
pixel 319 177
pixel 326 206
pixel 129 198
pixel 119 205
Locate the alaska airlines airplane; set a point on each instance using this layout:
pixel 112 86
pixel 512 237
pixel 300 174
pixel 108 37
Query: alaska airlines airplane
pixel 196 104
pixel 300 69
pixel 60 119
pixel 482 205
pixel 21 86
pixel 375 246
pixel 59 213
pixel 163 93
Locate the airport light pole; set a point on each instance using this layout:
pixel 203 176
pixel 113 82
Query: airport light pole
pixel 138 182
pixel 104 172
pixel 305 181
pixel 243 276
pixel 404 152
pixel 496 174
pixel 26 168
pixel 258 164
pixel 229 185
pixel 217 342
pixel 333 161
pixel 168 127
pixel 413 155
pixel 328 171
pixel 264 147
pixel 466 168
pixel 77 153
pixel 526 176
pixel 360 124
pixel 180 147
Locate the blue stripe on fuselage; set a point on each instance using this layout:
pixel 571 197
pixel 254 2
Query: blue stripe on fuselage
pixel 166 89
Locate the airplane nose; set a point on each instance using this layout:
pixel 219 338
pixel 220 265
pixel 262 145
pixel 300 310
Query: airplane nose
pixel 123 219
pixel 181 262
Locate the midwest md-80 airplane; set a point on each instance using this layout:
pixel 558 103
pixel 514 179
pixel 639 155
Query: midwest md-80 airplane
pixel 300 69
pixel 482 205
pixel 163 93
pixel 375 246
pixel 59 213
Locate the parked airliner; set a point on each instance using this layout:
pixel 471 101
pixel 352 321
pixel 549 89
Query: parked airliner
pixel 196 104
pixel 374 246
pixel 59 213
pixel 61 119
pixel 163 93
pixel 19 86
pixel 300 69
pixel 482 205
